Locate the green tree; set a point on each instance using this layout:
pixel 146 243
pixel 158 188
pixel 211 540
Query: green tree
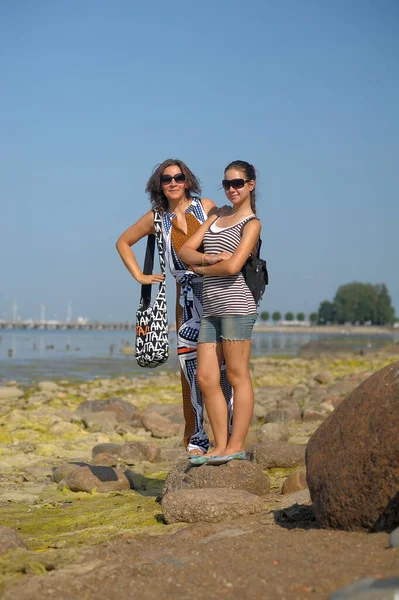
pixel 276 316
pixel 385 313
pixel 300 316
pixel 356 303
pixel 327 313
pixel 289 316
pixel 265 316
pixel 313 317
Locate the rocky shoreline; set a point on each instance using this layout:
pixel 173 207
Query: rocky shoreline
pixel 83 471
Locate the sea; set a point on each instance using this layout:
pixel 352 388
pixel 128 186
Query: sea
pixel 27 356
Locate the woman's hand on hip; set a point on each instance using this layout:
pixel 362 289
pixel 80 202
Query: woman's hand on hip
pixel 151 279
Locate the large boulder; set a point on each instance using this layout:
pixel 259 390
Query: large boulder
pixel 209 505
pixel 236 474
pixel 352 458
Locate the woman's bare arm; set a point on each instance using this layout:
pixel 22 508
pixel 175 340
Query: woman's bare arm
pixel 233 265
pixel 131 236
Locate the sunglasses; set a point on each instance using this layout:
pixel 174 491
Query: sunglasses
pixel 236 184
pixel 167 179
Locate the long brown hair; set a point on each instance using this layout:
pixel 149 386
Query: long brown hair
pixel 250 173
pixel 154 185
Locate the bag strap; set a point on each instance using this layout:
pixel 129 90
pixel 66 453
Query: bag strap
pixel 258 244
pixel 149 258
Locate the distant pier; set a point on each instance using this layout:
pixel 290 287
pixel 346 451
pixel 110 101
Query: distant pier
pixel 68 325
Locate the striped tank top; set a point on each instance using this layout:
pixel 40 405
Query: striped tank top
pixel 228 295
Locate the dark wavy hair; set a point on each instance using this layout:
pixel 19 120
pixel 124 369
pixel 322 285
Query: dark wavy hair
pixel 250 173
pixel 154 186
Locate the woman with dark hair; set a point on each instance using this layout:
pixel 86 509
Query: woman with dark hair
pixel 174 193
pixel 229 311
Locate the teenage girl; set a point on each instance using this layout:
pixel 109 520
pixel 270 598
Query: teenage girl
pixel 229 311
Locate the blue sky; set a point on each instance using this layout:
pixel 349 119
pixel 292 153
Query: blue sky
pixel 95 93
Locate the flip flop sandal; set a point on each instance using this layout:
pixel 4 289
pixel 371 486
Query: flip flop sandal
pixel 196 461
pixel 222 460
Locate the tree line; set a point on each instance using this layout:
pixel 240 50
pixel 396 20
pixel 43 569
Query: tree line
pixel 358 303
pixel 353 303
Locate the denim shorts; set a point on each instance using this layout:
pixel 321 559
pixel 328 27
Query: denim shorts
pixel 229 327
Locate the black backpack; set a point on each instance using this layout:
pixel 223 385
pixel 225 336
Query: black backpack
pixel 255 271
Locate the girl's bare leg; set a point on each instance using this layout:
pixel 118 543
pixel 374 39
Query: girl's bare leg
pixel 236 354
pixel 210 357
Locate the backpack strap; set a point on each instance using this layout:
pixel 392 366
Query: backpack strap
pixel 258 245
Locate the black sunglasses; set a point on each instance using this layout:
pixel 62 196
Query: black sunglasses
pixel 236 184
pixel 167 179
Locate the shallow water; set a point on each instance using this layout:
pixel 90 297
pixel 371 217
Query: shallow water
pixel 31 355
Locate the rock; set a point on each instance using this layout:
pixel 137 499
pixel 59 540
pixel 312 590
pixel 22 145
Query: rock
pixel 394 538
pixel 9 393
pixel 310 415
pixel 48 386
pixel 273 432
pixel 65 469
pixel 160 427
pixel 369 589
pixel 324 378
pixel 251 439
pixel 38 473
pixel 295 482
pixel 125 412
pixel 270 455
pixel 289 499
pixel 173 412
pixel 9 540
pixel 209 505
pixel 318 395
pixel 100 421
pixel 326 407
pixel 100 479
pixel 106 448
pixel 269 396
pixel 300 391
pixel 277 416
pixel 134 452
pixel 104 460
pixel 237 475
pixel 352 458
pixel 130 452
pixel 259 411
pixel 342 387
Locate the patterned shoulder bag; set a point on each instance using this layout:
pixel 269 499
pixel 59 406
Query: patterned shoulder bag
pixel 152 345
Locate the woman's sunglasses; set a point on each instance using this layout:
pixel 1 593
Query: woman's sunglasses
pixel 236 184
pixel 167 179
